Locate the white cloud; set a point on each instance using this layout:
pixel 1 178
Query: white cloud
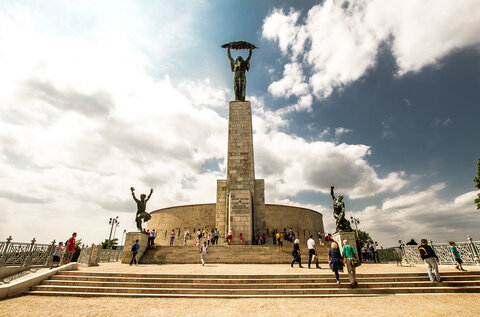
pixel 422 214
pixel 292 83
pixel 282 28
pixel 344 37
pixel 202 94
pixel 341 131
pixel 290 164
pixel 82 121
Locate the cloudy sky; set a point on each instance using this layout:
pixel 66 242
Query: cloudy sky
pixel 379 98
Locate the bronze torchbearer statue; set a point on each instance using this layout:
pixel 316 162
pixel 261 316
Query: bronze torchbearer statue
pixel 141 206
pixel 239 66
pixel 342 224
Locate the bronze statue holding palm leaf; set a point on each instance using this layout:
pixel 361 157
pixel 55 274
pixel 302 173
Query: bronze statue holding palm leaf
pixel 239 66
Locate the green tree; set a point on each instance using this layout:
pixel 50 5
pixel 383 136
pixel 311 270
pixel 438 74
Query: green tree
pixel 109 243
pixel 363 238
pixel 476 180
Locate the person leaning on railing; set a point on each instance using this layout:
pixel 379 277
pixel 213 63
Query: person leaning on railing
pixel 430 259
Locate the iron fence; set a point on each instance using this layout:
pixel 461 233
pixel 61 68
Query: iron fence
pixel 37 254
pixel 25 254
pixel 468 251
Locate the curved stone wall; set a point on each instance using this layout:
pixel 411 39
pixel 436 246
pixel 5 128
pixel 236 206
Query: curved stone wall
pixel 181 218
pixel 303 221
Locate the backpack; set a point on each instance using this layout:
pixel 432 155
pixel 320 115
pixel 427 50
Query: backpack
pixel 134 247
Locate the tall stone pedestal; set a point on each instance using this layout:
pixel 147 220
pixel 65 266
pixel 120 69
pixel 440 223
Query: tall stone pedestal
pixel 130 239
pixel 240 197
pixel 339 236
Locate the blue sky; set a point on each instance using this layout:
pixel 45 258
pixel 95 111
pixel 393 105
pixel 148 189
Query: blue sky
pixel 379 98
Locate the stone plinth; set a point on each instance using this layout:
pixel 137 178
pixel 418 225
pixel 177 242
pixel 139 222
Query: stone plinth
pixel 241 215
pixel 339 236
pixel 129 241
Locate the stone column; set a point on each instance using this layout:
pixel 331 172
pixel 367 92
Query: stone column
pixel 130 239
pixel 240 198
pixel 339 236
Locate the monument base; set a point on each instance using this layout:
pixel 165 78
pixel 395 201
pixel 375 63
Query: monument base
pixel 339 236
pixel 130 239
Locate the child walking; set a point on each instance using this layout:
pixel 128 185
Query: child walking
pixel 456 256
pixel 57 254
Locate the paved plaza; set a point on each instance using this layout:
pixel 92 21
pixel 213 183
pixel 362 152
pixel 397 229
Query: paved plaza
pixel 391 305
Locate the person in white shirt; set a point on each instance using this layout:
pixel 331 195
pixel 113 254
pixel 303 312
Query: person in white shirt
pixel 203 252
pixel 311 251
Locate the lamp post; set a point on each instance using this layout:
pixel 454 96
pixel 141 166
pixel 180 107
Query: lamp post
pixel 123 235
pixel 355 221
pixel 113 222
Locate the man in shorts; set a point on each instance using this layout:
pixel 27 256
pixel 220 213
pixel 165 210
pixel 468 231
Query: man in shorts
pixel 70 249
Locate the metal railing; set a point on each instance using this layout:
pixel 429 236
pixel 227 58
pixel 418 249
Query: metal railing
pixel 36 254
pixel 469 252
pixel 103 255
pixel 25 254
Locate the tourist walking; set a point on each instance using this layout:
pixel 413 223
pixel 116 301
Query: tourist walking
pixel 349 255
pixel 149 238
pixel 431 261
pixel 280 241
pixel 185 235
pixel 203 252
pixel 372 252
pixel 375 252
pixel 172 236
pixel 241 238
pixel 70 249
pixel 215 234
pixel 230 236
pixel 209 238
pixel 154 235
pixel 296 254
pixel 364 253
pixel 456 256
pixel 199 236
pixel 57 254
pixel 135 248
pixel 312 251
pixel 335 261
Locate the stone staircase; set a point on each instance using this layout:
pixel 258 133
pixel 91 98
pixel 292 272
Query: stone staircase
pixel 240 254
pixel 80 283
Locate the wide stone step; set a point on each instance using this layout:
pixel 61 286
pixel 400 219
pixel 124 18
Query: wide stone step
pixel 324 279
pixel 81 283
pixel 261 292
pixel 229 254
pixel 134 295
pixel 275 285
pixel 474 274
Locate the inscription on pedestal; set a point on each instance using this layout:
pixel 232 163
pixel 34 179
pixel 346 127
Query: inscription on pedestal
pixel 241 214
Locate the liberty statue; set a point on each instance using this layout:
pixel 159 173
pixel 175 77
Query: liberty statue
pixel 239 66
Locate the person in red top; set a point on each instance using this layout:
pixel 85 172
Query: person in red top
pixel 70 249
